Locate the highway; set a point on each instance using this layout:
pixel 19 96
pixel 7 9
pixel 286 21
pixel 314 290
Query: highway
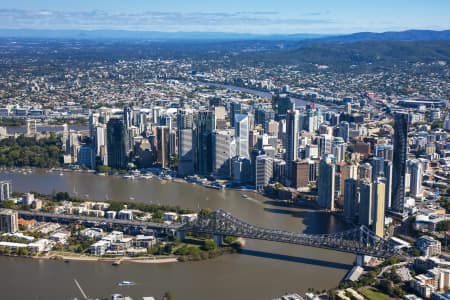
pixel 76 218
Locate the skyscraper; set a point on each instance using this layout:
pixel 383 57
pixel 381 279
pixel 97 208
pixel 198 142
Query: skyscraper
pixel 291 139
pixel 416 168
pixel 378 200
pixel 185 122
pixel 162 146
pixel 281 103
pixel 185 152
pixel 263 116
pixel 235 108
pixel 365 202
pixel 204 127
pixel 117 141
pixel 264 171
pixel 344 131
pixel 241 127
pixel 388 184
pixel 223 150
pixel 350 198
pixel 326 182
pixel 399 161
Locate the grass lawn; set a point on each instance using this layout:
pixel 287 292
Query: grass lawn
pixel 373 294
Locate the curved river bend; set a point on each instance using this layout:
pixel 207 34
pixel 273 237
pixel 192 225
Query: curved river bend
pixel 264 270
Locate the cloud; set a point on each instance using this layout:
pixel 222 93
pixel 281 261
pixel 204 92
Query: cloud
pixel 243 21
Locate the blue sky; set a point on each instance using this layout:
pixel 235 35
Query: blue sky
pixel 246 16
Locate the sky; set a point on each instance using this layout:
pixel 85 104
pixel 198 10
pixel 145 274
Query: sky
pixel 243 16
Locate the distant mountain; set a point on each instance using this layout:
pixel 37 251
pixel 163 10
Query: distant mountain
pixel 364 54
pixel 405 36
pixel 149 35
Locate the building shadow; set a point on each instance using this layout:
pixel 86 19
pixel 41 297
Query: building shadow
pixel 296 259
pixel 315 221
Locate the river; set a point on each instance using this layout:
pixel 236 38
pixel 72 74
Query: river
pixel 264 270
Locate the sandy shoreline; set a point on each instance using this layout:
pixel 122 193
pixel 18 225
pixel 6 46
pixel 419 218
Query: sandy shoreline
pixel 140 260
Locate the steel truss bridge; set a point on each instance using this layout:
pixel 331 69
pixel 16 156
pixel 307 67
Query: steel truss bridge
pixel 360 240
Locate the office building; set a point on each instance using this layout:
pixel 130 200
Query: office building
pixel 291 139
pixel 281 103
pixel 344 131
pixel 241 126
pixel 324 143
pixel 263 116
pixel 399 162
pixel 162 146
pixel 388 183
pixel 304 172
pixel 350 198
pixel 365 202
pixel 416 169
pixel 204 122
pixel 223 150
pixel 117 141
pixel 242 171
pixel 235 109
pixel 326 182
pixel 185 152
pixel 263 171
pixel 378 209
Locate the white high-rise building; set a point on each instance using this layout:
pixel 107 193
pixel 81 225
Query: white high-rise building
pixel 241 127
pixel 185 152
pixel 416 168
pixel 223 150
pixel 5 190
pixel 326 182
pixel 291 139
pixel 264 171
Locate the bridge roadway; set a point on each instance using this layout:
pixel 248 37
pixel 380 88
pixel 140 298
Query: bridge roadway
pixel 360 241
pixel 76 218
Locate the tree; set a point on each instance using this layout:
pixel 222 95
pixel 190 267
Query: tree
pixel 209 245
pixel 22 251
pixel 443 225
pixel 205 212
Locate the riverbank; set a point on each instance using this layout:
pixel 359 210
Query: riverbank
pixel 297 267
pixel 113 260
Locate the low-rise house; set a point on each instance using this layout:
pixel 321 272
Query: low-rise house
pixel 92 233
pixel 99 248
pixel 144 241
pixel 125 214
pixel 185 218
pixel 170 216
pixel 39 246
pixel 59 237
pixel 136 251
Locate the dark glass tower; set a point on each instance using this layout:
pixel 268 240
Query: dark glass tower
pixel 204 127
pixel 235 108
pixel 399 161
pixel 117 140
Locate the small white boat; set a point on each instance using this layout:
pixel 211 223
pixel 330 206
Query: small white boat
pixel 244 196
pixel 126 283
pixel 128 176
pixel 61 174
